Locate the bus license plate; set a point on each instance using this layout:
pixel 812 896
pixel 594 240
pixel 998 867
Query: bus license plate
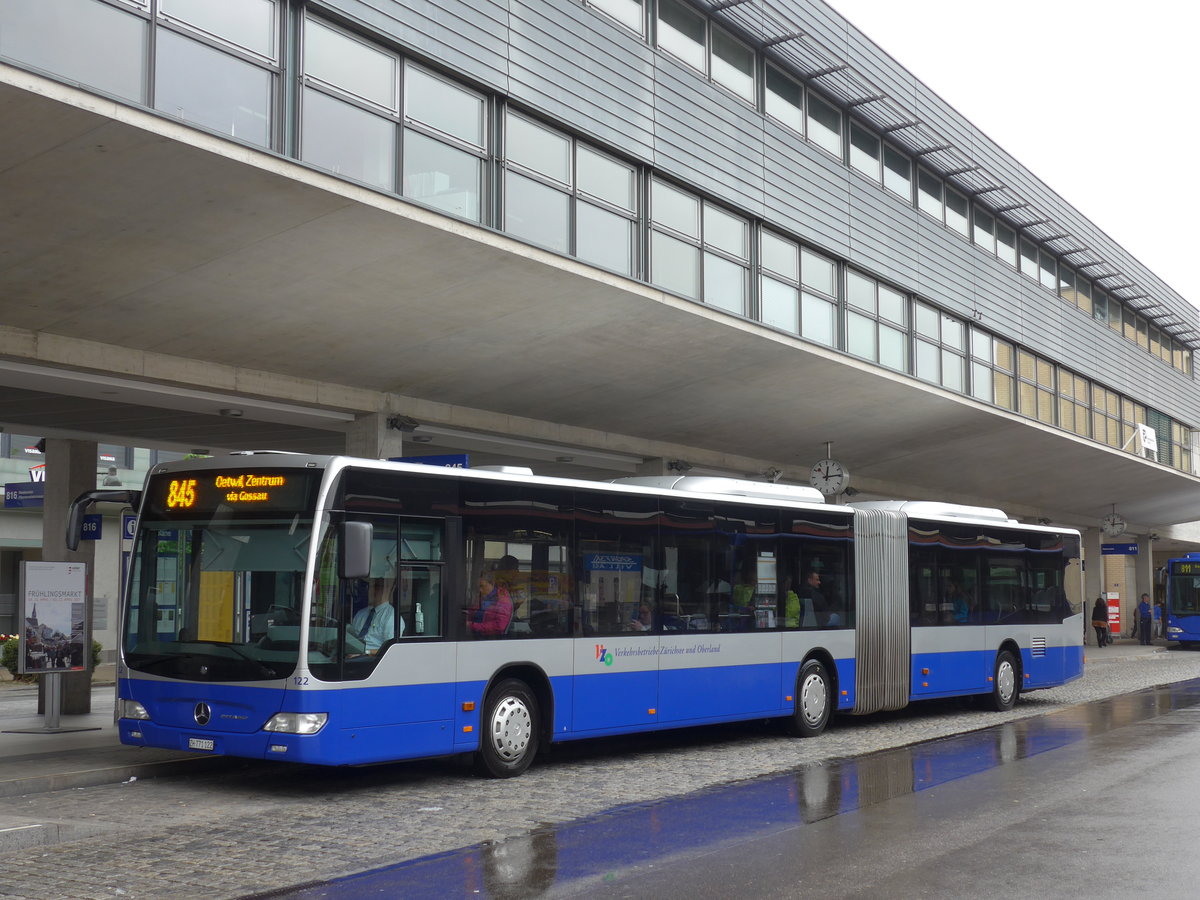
pixel 201 744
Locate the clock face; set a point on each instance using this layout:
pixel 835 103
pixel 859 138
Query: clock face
pixel 829 477
pixel 1113 525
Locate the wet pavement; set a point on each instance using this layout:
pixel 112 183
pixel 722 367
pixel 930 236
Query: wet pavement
pixel 233 828
pixel 620 850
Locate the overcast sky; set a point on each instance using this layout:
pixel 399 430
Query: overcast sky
pixel 1097 100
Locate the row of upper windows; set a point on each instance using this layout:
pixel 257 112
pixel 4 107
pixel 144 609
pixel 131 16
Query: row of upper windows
pixel 369 114
pixel 689 36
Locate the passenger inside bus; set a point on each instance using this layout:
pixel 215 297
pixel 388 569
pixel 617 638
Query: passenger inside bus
pixel 816 609
pixel 493 613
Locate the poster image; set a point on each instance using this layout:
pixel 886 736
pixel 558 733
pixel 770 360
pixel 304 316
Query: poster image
pixel 53 617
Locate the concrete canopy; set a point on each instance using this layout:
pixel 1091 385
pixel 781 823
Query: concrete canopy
pixel 152 275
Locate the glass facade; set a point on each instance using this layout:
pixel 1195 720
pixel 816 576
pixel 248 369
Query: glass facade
pixel 368 112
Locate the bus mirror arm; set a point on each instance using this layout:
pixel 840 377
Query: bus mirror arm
pixel 81 504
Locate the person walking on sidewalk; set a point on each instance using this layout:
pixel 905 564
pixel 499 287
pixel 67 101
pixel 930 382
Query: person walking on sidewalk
pixel 1143 612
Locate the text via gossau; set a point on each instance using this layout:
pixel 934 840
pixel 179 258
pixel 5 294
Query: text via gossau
pixel 666 651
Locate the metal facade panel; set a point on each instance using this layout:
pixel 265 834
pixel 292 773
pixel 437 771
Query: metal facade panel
pixel 577 67
pixel 470 36
pixel 806 191
pixel 884 233
pixel 707 137
pixel 883 637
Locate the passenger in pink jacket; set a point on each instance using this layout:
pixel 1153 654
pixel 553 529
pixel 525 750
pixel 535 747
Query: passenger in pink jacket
pixel 495 608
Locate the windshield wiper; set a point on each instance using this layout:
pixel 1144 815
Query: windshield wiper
pixel 263 668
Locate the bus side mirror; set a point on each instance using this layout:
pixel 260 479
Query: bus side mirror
pixel 356 549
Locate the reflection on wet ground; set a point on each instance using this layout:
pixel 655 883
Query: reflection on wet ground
pixel 537 863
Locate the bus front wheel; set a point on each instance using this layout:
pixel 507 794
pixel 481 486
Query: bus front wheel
pixel 1006 685
pixel 814 701
pixel 510 730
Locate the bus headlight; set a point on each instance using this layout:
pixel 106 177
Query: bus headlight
pixel 297 723
pixel 131 709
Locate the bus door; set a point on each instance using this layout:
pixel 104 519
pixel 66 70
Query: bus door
pixel 616 659
pixel 948 652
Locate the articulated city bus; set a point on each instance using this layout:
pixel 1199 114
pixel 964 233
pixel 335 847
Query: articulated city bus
pixel 346 611
pixel 1183 599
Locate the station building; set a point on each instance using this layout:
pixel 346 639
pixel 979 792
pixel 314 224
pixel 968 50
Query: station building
pixel 595 237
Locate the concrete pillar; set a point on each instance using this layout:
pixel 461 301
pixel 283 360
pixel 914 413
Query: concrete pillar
pixel 371 437
pixel 1093 575
pixel 70 470
pixel 1093 580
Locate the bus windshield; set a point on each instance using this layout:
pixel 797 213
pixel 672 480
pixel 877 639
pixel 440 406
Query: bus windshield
pixel 1184 594
pixel 217 601
pixel 217 576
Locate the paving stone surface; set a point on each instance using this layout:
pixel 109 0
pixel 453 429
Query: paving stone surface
pixel 259 826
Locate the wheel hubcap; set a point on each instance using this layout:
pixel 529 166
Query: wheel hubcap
pixel 1005 680
pixel 814 696
pixel 511 728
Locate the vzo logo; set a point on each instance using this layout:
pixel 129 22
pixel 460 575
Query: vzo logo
pixel 604 656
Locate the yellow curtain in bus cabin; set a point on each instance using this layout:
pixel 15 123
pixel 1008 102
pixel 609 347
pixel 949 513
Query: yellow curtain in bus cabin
pixel 216 606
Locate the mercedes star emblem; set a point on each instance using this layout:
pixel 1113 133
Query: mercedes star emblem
pixel 202 713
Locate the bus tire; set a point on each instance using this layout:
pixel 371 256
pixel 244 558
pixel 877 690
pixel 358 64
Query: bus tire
pixel 1006 682
pixel 510 730
pixel 814 701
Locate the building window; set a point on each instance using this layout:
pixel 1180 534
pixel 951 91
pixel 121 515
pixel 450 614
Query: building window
pixel 929 194
pixel 818 302
pixel 897 173
pixel 783 99
pixel 1029 258
pixel 726 259
pixel 1035 397
pixel 606 210
pixel 1074 403
pixel 779 282
pixel 698 249
pixel 444 144
pixel 939 347
pixel 1106 416
pixel 876 322
pixel 681 33
pixel 958 212
pixel 985 230
pixel 824 125
pixel 1047 270
pixel 732 65
pixel 865 152
pixel 1083 294
pixel 349 106
pixel 24 446
pixel 210 88
pixel 537 183
pixel 248 25
pixel 1006 243
pixel 82 41
pixel 628 12
pixel 1066 284
pixel 991 369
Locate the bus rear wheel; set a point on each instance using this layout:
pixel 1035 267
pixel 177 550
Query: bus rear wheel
pixel 1006 685
pixel 814 701
pixel 510 730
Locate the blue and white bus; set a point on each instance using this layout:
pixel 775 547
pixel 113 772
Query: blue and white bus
pixel 345 611
pixel 1183 599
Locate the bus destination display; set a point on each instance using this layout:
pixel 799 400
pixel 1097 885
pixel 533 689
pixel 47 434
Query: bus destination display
pixel 190 493
pixel 1186 568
